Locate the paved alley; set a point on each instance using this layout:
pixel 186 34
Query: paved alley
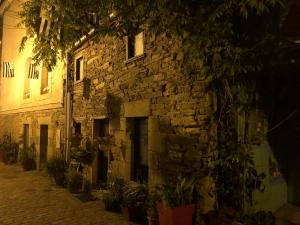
pixel 29 198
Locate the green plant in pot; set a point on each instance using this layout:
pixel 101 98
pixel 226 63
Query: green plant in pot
pixel 74 181
pixel 111 202
pixel 8 150
pixel 83 152
pixel 113 197
pixel 27 157
pixel 134 202
pixel 152 214
pixel 176 205
pixel 56 167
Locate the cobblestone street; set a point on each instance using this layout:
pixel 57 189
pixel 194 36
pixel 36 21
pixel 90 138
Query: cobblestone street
pixel 29 198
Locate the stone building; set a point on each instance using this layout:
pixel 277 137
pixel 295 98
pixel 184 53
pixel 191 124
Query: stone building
pixel 31 96
pixel 135 91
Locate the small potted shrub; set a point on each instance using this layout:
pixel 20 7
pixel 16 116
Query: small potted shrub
pixel 134 202
pixel 113 197
pixel 56 167
pixel 152 215
pixel 27 158
pixel 176 206
pixel 8 150
pixel 111 202
pixel 74 181
pixel 2 153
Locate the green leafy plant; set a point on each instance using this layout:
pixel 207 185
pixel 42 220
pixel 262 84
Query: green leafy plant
pixel 259 218
pixel 178 192
pixel 113 196
pixel 9 149
pixel 111 201
pixel 82 150
pixel 115 186
pixel 236 179
pixel 27 157
pixel 56 167
pixel 134 194
pixel 74 180
pixel 152 199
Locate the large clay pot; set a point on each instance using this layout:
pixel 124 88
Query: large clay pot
pixel 28 164
pixel 59 179
pixel 137 214
pixel 181 215
pixel 3 156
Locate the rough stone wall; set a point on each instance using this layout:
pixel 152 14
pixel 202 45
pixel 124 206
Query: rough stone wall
pixel 181 127
pixel 13 124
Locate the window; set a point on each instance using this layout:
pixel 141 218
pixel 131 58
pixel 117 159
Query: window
pixel 8 69
pixel 101 127
pixel 33 73
pixel 135 45
pixel 77 128
pixel 79 69
pixel 45 80
pixel 28 69
pixel 44 23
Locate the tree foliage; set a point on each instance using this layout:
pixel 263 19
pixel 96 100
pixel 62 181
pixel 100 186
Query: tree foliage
pixel 219 37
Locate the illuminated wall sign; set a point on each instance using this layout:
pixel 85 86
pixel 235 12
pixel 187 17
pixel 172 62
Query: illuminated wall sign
pixel 8 69
pixel 33 73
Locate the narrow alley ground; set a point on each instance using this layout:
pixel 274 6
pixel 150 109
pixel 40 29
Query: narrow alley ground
pixel 29 198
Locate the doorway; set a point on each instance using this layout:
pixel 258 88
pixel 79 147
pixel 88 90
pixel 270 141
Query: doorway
pixel 101 130
pixel 43 144
pixel 26 136
pixel 140 150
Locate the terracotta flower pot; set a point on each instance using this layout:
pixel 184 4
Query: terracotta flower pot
pixel 59 179
pixel 137 214
pixel 28 164
pixel 152 220
pixel 181 215
pixel 3 156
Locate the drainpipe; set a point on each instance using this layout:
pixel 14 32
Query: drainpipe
pixel 67 114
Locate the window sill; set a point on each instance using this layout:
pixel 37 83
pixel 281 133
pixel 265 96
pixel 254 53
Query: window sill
pixel 45 95
pixel 27 100
pixel 135 58
pixel 78 81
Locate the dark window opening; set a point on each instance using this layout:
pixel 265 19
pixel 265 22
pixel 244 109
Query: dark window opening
pixel 130 46
pixel 101 127
pixel 45 26
pixel 79 69
pixel 77 128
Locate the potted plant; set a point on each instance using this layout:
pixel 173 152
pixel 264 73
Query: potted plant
pixel 134 202
pixel 113 197
pixel 2 155
pixel 56 167
pixel 111 202
pixel 74 181
pixel 176 206
pixel 27 157
pixel 8 150
pixel 152 214
pixel 83 152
